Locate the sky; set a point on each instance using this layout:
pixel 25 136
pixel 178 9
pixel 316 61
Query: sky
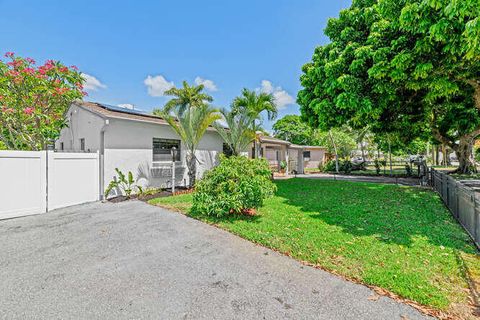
pixel 132 51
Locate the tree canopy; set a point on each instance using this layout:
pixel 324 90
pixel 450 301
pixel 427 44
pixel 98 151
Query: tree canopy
pixel 409 67
pixel 293 129
pixel 33 101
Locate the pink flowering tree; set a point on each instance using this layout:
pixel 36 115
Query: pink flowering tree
pixel 33 101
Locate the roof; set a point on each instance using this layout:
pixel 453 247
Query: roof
pixel 267 139
pixel 114 112
pixel 314 147
pixel 106 111
pixel 272 140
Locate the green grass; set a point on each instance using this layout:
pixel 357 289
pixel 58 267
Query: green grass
pixel 400 238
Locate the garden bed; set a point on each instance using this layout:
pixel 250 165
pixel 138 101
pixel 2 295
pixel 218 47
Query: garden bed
pixel 161 193
pixel 401 239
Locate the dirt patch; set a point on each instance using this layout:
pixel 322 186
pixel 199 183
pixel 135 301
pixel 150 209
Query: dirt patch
pixel 147 197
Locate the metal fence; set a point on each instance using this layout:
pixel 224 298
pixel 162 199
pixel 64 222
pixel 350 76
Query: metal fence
pixel 462 200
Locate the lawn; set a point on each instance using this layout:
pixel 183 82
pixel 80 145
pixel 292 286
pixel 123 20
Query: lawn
pixel 402 239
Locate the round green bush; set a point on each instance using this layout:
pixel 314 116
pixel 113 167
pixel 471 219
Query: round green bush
pixel 236 185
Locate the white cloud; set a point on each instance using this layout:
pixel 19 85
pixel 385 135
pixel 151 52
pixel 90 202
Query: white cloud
pixel 282 98
pixel 157 85
pixel 92 83
pixel 127 106
pixel 208 84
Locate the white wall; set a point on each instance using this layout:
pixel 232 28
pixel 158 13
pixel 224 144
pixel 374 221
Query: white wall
pixel 23 191
pixel 128 146
pixel 316 157
pixel 81 124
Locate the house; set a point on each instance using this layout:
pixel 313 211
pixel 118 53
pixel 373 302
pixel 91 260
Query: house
pixel 135 141
pixel 296 157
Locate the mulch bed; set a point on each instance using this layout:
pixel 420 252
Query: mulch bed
pixel 145 198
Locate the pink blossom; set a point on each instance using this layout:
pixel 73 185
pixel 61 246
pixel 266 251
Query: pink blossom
pixel 29 70
pixel 60 90
pixel 74 67
pixel 15 63
pixel 28 110
pixel 7 110
pixel 9 54
pixel 63 69
pixel 12 73
pixel 30 60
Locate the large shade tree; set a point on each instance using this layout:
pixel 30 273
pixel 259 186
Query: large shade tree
pixel 190 115
pixel 293 129
pixel 33 101
pixel 407 67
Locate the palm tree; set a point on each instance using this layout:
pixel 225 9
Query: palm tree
pixel 239 134
pixel 186 97
pixel 254 104
pixel 190 124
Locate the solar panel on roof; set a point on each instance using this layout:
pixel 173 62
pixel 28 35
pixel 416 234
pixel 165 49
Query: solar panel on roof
pixel 124 110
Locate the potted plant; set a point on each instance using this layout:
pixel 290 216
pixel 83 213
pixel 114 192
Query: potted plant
pixel 283 166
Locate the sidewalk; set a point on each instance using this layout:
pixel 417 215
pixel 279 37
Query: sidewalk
pixel 380 179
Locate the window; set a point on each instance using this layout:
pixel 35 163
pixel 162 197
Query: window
pixel 82 144
pixel 306 155
pixel 162 149
pixel 227 150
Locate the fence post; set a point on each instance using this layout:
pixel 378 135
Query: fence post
pixel 475 217
pixel 457 206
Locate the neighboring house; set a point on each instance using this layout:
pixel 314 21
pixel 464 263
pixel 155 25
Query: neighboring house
pixel 297 157
pixel 133 141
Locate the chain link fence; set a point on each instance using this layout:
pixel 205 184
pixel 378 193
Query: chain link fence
pixel 462 200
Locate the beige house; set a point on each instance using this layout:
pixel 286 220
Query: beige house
pixel 296 157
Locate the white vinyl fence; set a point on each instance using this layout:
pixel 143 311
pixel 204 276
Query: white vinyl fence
pixel 35 182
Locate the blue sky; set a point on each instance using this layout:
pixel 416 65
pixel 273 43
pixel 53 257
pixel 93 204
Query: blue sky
pixel 133 50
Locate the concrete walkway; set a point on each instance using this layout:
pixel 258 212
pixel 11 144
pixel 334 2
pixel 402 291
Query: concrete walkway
pixel 135 261
pixel 380 179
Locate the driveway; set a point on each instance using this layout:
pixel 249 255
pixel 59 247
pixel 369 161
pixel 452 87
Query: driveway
pixel 135 261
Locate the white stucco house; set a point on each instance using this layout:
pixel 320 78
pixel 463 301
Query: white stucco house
pixel 297 157
pixel 133 141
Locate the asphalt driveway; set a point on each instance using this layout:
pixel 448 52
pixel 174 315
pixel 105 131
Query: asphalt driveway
pixel 135 261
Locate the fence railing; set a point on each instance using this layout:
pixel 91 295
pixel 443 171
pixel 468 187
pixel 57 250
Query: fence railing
pixel 462 200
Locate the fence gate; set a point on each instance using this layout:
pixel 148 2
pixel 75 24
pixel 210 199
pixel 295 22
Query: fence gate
pixel 38 181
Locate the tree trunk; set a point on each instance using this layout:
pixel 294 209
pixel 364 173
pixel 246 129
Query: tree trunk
pixel 390 157
pixel 463 151
pixel 192 168
pixel 335 149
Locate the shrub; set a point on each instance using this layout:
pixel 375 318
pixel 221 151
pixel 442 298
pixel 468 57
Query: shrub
pixel 408 170
pixel 344 166
pixel 329 166
pixel 236 185
pixel 378 166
